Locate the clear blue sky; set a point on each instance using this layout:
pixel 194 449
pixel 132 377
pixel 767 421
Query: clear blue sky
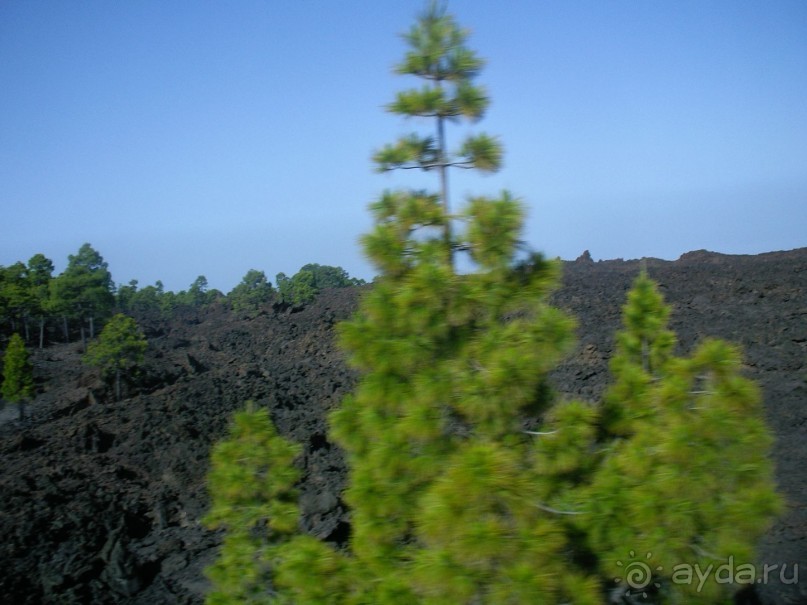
pixel 183 138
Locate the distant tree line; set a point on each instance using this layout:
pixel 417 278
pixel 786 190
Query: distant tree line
pixel 42 307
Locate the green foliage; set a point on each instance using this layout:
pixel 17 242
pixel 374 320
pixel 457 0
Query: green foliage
pixel 24 293
pixel 443 489
pixel 39 274
pixel 150 300
pixel 253 292
pixel 644 348
pixel 125 295
pixel 439 57
pixel 452 501
pixel 297 290
pixel 326 276
pixel 119 348
pixel 15 294
pixel 18 377
pixel 304 285
pixel 251 482
pixel 85 289
pixel 199 294
pixel 684 471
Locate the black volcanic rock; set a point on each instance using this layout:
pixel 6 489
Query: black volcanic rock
pixel 100 502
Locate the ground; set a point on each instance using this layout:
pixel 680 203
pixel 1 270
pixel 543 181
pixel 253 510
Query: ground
pixel 100 501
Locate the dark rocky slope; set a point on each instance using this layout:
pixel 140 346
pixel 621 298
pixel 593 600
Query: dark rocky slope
pixel 100 502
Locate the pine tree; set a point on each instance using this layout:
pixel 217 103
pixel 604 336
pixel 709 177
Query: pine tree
pixel 252 481
pixel 198 293
pixel 151 301
pixel 125 295
pixel 297 290
pixel 39 273
pixel 119 348
pixel 18 376
pixel 684 474
pixel 84 290
pixel 439 57
pixel 253 292
pixel 15 299
pixel 444 506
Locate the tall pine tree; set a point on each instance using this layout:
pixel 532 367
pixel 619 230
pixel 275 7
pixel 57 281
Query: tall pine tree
pixel 84 290
pixel 447 68
pixel 444 507
pixel 40 271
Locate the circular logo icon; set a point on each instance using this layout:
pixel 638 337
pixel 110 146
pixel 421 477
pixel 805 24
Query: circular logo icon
pixel 637 575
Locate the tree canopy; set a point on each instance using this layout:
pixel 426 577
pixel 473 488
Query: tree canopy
pixel 18 373
pixel 40 274
pixel 304 285
pixel 119 348
pixel 85 289
pixel 447 68
pixel 252 481
pixel 251 293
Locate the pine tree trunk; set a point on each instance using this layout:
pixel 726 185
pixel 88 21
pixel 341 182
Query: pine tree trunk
pixel 64 329
pixel 27 331
pixel 92 327
pixel 41 332
pixel 442 162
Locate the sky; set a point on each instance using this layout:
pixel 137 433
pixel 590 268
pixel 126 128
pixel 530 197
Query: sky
pixel 186 138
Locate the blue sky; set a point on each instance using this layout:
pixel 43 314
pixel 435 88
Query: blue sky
pixel 183 138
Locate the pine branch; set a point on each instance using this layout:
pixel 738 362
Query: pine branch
pixel 705 553
pixel 556 511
